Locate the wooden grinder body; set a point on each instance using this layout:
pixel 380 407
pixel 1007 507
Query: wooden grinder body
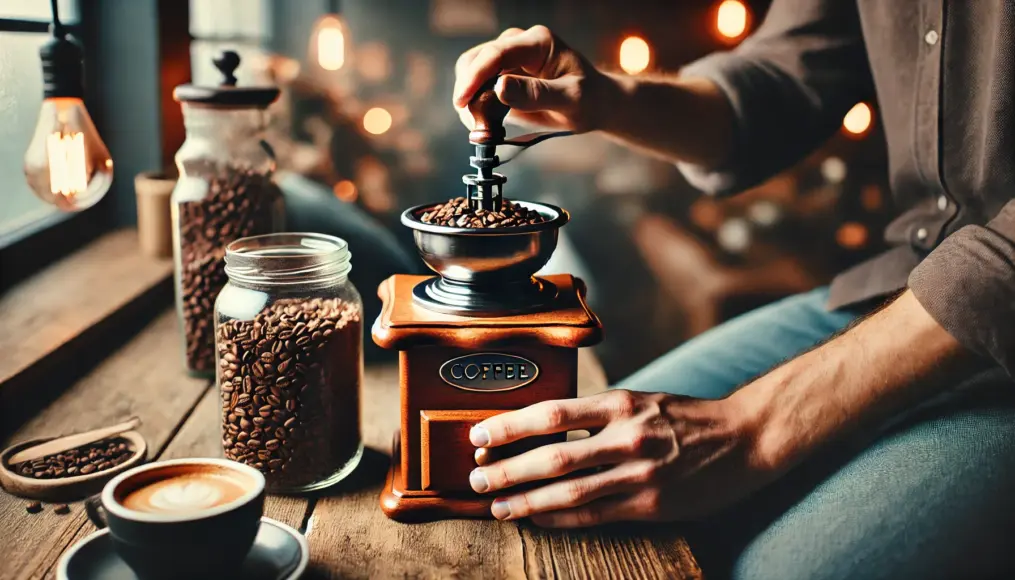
pixel 455 371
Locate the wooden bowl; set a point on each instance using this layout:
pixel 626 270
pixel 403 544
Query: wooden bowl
pixel 67 488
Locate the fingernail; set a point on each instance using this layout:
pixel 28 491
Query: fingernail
pixel 478 481
pixel 479 436
pixel 500 509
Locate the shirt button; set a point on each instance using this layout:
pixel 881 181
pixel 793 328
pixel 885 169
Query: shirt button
pixel 942 203
pixel 921 234
pixel 931 37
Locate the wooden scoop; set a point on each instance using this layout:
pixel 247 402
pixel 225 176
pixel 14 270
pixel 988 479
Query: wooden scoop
pixel 67 442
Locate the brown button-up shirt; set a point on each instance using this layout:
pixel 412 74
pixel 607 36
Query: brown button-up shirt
pixel 942 72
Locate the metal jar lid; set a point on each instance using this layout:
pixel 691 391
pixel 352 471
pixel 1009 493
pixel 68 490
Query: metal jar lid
pixel 227 94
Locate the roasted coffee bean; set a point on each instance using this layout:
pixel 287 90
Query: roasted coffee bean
pixel 296 390
pixel 94 457
pixel 62 509
pixel 239 203
pixel 457 213
pixel 34 507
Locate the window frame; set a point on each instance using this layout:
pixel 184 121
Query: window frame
pixel 39 243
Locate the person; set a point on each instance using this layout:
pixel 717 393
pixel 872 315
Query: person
pixel 862 430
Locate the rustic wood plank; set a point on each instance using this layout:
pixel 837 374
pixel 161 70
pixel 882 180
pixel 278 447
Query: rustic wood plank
pixel 52 320
pixel 199 437
pixel 145 378
pixel 350 537
pixel 624 552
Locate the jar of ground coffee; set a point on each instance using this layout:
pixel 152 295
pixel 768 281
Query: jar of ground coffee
pixel 225 191
pixel 289 344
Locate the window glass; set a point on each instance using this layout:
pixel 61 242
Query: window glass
pixel 38 10
pixel 20 99
pixel 239 25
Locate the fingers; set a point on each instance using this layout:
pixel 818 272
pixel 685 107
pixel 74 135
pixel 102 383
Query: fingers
pixel 468 56
pixel 528 51
pixel 532 94
pixel 547 462
pixel 553 417
pixel 561 495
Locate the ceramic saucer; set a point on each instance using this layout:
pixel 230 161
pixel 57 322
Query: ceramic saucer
pixel 279 553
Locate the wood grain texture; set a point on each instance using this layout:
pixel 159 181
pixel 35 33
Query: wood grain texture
pixel 423 389
pixel 351 538
pixel 568 323
pixel 146 379
pixel 55 325
pixel 623 552
pixel 57 305
pixel 446 454
pixel 199 437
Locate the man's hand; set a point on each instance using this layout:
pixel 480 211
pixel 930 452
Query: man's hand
pixel 544 81
pixel 547 83
pixel 663 457
pixel 652 457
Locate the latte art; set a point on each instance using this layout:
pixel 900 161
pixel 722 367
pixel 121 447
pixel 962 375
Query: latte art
pixel 184 496
pixel 185 493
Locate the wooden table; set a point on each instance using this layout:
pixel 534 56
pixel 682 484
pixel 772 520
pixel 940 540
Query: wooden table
pixel 349 536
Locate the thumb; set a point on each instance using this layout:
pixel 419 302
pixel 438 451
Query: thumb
pixel 532 94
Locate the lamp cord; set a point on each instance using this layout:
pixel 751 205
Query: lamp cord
pixel 57 25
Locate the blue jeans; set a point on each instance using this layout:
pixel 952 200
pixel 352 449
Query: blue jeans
pixel 929 495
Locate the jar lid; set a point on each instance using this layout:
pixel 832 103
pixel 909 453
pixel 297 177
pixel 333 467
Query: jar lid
pixel 227 94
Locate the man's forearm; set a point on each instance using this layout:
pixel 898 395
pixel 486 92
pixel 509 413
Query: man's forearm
pixel 679 119
pixel 889 362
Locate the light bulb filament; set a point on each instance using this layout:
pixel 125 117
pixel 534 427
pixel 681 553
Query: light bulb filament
pixel 331 48
pixel 68 169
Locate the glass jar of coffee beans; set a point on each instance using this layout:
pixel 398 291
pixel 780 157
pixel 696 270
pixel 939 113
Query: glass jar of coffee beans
pixel 225 191
pixel 289 354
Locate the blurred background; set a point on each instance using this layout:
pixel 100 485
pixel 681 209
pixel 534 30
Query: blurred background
pixel 365 121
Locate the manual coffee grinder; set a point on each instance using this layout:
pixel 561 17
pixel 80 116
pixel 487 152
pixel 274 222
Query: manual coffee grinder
pixel 482 337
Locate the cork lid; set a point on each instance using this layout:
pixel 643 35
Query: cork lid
pixel 227 94
pixel 569 323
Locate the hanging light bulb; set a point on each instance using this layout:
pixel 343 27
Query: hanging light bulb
pixel 66 163
pixel 328 41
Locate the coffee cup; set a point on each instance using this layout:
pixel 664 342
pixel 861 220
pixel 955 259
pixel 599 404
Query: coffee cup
pixel 183 518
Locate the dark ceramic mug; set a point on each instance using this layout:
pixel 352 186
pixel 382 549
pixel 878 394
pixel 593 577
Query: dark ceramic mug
pixel 209 542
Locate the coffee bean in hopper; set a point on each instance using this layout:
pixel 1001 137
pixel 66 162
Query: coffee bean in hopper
pixel 457 213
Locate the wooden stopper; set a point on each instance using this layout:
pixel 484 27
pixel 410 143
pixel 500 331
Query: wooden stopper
pixel 488 113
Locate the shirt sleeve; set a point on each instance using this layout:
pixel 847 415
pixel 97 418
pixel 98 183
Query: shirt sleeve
pixel 789 86
pixel 967 284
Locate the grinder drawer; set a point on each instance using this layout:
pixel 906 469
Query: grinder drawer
pixel 447 455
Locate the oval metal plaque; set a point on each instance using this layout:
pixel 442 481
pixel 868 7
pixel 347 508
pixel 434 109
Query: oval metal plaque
pixel 489 372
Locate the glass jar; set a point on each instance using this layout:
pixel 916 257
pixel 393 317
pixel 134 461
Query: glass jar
pixel 225 192
pixel 289 344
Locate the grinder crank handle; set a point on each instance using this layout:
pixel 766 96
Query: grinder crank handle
pixel 489 112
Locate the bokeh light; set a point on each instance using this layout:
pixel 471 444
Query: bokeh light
pixel 377 121
pixel 852 235
pixel 731 19
pixel 635 55
pixel 345 190
pixel 858 120
pixel 330 43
